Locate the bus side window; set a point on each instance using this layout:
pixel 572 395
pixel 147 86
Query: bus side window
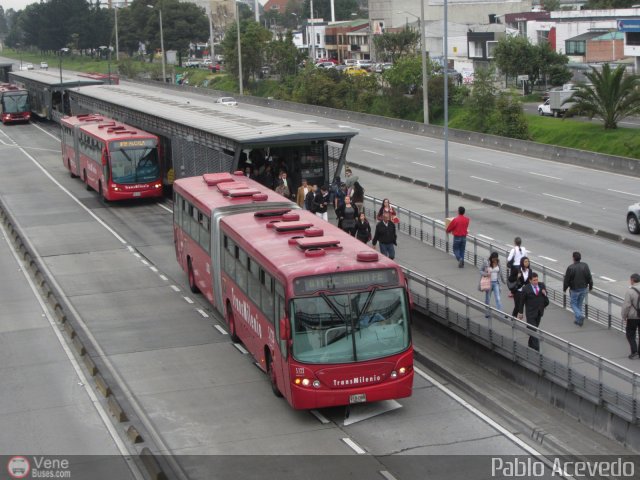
pixel 204 231
pixel 229 257
pixel 241 270
pixel 267 295
pixel 177 210
pixel 280 307
pixel 254 281
pixel 194 229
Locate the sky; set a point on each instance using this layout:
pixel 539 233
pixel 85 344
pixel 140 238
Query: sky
pixel 15 4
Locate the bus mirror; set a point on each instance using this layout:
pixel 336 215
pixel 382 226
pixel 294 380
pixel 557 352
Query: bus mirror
pixel 284 328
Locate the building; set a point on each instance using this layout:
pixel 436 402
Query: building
pixel 348 40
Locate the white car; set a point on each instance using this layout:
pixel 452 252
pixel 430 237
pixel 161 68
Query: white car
pixel 633 218
pixel 44 65
pixel 192 63
pixel 229 101
pixel 30 66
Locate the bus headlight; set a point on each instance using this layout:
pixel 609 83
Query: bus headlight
pixel 402 370
pixel 316 383
pixel 305 382
pixel 394 374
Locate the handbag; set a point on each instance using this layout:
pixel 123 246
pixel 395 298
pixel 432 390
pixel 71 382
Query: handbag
pixel 485 284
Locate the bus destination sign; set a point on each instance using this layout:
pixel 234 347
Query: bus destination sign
pixel 119 145
pixel 345 281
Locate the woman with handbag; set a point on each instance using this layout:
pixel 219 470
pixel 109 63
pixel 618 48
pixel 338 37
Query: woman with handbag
pixel 490 280
pixel 387 208
pixel 518 278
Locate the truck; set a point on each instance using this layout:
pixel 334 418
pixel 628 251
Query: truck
pixel 554 105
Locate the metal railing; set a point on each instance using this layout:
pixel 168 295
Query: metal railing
pixel 599 305
pixel 577 369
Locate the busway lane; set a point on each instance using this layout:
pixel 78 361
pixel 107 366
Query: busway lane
pixel 197 391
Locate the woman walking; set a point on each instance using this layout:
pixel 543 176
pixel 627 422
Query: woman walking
pixel 491 269
pixel 518 278
pixel 363 228
pixel 386 207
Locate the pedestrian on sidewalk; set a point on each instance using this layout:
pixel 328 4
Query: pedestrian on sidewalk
pixel 386 235
pixel 518 279
pixel 386 207
pixel 535 300
pixel 363 228
pixel 491 269
pixel 516 253
pixel 577 279
pixel 459 227
pixel 631 313
pixel 320 203
pixel 347 216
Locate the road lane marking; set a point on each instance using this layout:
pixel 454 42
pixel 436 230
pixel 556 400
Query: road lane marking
pixel 164 278
pixel 153 269
pixel 425 150
pixel 548 258
pixel 543 175
pixel 137 255
pixel 348 126
pixel 174 288
pixel 145 263
pixel 626 193
pixel 202 312
pixel 220 329
pixel 165 207
pixel 130 248
pixel 484 179
pixel 356 448
pixel 323 420
pixel 607 279
pixel 240 348
pixel 374 153
pixel 387 475
pixel 188 300
pixel 478 161
pixel 423 165
pixel 561 198
pixel 484 236
pixel 382 140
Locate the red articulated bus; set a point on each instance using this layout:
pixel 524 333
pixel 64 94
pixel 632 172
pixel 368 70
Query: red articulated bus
pixel 325 316
pixel 118 161
pixel 107 78
pixel 14 104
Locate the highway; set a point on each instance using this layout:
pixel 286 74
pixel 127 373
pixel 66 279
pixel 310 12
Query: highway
pixel 193 392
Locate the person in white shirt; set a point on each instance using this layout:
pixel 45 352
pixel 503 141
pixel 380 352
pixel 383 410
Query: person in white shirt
pixel 516 254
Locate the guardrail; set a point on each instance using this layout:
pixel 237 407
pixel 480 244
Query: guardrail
pixel 576 369
pixel 599 305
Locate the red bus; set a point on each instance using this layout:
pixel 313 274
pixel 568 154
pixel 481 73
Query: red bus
pixel 107 78
pixel 325 316
pixel 118 161
pixel 14 104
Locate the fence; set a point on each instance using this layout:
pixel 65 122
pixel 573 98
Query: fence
pixel 599 306
pixel 576 369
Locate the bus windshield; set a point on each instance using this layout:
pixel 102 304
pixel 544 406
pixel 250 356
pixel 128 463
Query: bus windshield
pixel 15 103
pixel 350 327
pixel 134 165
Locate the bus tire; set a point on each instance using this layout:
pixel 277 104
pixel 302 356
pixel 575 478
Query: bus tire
pixel 86 182
pixel 192 278
pixel 101 194
pixel 232 325
pixel 271 371
pixel 71 174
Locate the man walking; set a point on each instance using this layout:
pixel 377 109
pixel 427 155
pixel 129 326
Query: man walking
pixel 301 195
pixel 631 313
pixel 459 227
pixel 386 235
pixel 535 300
pixel 577 279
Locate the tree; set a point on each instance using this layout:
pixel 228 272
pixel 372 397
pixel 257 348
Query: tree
pixel 508 119
pixel 391 46
pixel 283 56
pixel 611 95
pixel 482 99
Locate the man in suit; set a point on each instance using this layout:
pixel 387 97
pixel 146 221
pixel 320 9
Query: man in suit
pixel 535 301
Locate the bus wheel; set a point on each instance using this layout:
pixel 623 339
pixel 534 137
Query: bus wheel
pixel 232 325
pixel 192 278
pixel 102 197
pixel 70 171
pixel 86 183
pixel 272 376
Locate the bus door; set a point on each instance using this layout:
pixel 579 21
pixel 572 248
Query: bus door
pixel 281 353
pixel 76 149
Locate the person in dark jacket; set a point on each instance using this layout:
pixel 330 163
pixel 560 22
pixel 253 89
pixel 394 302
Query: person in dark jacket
pixel 363 228
pixel 386 235
pixel 308 199
pixel 347 215
pixel 535 300
pixel 518 279
pixel 320 203
pixel 630 313
pixel 577 279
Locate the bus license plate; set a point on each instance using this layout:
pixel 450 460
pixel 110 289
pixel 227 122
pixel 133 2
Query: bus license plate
pixel 136 194
pixel 358 398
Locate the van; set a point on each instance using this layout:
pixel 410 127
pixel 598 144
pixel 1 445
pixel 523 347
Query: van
pixel 350 62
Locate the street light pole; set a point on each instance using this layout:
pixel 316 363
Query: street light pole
pixel 313 36
pixel 446 115
pixel 115 11
pixel 239 48
pixel 210 38
pixel 164 73
pixel 425 79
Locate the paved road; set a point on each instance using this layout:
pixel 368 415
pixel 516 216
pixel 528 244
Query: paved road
pixel 191 385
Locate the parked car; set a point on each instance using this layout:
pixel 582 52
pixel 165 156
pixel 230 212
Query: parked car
pixel 229 101
pixel 350 62
pixel 355 71
pixel 325 65
pixel 44 65
pixel 29 66
pixel 633 218
pixel 192 63
pixel 206 63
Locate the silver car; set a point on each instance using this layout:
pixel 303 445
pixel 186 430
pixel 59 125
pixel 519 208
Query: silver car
pixel 633 216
